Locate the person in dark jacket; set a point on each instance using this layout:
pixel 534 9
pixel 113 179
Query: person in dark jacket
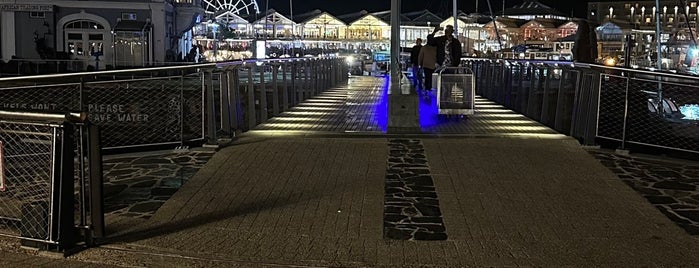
pixel 448 48
pixel 414 53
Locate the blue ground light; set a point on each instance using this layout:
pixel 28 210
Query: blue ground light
pixel 381 108
pixel 427 108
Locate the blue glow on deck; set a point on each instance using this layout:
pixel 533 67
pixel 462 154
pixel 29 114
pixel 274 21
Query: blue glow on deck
pixel 427 108
pixel 381 107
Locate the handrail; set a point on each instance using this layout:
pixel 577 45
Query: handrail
pixel 164 68
pixel 591 66
pixel 46 117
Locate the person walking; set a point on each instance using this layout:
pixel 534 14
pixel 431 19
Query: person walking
pixel 427 60
pixel 448 55
pixel 448 48
pixel 414 55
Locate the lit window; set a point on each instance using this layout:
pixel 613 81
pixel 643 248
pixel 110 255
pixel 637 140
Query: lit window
pixel 693 4
pixel 128 16
pixel 37 15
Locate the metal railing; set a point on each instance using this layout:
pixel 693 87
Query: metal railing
pixel 177 105
pixel 50 180
pixel 251 93
pixel 594 102
pixel 24 67
pixel 50 159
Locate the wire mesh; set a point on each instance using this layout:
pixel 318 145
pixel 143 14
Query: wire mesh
pixel 57 97
pixel 612 107
pixel 455 91
pixel 657 114
pixel 146 111
pixel 27 156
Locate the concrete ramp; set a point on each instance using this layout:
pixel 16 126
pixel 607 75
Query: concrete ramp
pixel 320 202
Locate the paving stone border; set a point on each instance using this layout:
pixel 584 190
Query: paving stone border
pixel 672 187
pixel 137 186
pixel 411 206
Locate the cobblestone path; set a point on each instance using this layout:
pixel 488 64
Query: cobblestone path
pixel 671 186
pixel 137 186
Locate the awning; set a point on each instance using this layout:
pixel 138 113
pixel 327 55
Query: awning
pixel 132 26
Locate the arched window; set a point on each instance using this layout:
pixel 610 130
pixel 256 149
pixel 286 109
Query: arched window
pixel 84 38
pixel 84 24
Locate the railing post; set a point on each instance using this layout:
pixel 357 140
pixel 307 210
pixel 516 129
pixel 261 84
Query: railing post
pixel 306 80
pixel 520 87
pixel 210 108
pixel 313 75
pixel 545 116
pixel 295 83
pixel 326 73
pixel 285 87
pixel 233 82
pixel 62 225
pixel 225 102
pixel 263 95
pixel 333 72
pixel 252 116
pixel 534 83
pixel 96 183
pixel 275 88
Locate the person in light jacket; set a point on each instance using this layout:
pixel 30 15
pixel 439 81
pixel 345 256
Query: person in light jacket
pixel 427 60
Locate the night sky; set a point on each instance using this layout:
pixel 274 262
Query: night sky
pixel 338 7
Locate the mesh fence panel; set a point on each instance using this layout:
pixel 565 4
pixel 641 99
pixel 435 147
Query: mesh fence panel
pixel 612 107
pixel 60 97
pixel 456 91
pixel 27 169
pixel 648 123
pixel 566 97
pixel 145 111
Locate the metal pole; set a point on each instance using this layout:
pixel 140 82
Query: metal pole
pixel 395 45
pixel 293 28
pixel 657 33
pixel 456 20
pixel 495 24
pixel 266 23
pixel 660 61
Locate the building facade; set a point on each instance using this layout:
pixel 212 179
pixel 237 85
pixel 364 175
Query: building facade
pixel 119 33
pixel 101 34
pixel 638 20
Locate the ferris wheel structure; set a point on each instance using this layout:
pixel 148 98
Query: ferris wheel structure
pixel 222 8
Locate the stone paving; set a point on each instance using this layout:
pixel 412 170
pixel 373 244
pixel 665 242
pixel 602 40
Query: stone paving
pixel 411 206
pixel 671 186
pixel 136 186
